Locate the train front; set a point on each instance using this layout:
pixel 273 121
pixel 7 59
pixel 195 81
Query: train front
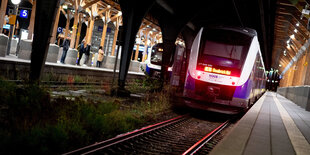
pixel 213 77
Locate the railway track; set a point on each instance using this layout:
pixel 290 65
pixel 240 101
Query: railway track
pixel 180 135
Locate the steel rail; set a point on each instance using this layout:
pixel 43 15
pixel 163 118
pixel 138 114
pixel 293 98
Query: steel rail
pixel 121 138
pixel 206 139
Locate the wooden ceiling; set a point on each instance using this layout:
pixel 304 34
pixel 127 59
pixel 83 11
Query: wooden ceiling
pixel 288 21
pixel 290 32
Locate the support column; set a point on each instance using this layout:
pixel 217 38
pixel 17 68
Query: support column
pixel 78 35
pixel 32 19
pixel 306 75
pixel 75 22
pixel 90 30
pixel 132 18
pixel 115 35
pixel 137 52
pixel 54 34
pixel 45 18
pixel 105 26
pixel 146 33
pixel 67 24
pixel 4 4
pixel 87 29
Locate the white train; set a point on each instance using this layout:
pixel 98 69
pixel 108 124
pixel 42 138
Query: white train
pixel 226 72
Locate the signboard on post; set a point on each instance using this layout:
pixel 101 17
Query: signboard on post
pixel 59 29
pixel 12 19
pixel 23 14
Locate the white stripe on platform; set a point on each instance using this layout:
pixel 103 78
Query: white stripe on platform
pixel 235 141
pixel 299 142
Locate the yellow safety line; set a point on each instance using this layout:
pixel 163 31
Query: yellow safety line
pixel 299 142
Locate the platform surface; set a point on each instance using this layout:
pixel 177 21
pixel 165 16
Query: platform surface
pixel 11 58
pixel 274 125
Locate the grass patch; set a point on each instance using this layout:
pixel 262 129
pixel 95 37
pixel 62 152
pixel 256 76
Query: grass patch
pixel 38 124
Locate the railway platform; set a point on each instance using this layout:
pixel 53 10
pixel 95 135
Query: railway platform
pixel 274 125
pixel 13 68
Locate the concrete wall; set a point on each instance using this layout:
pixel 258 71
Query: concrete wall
pixel 71 56
pixel 3 44
pixel 82 61
pixel 300 95
pixel 52 54
pixel 134 66
pixel 109 62
pixel 13 46
pixel 12 70
pixel 25 49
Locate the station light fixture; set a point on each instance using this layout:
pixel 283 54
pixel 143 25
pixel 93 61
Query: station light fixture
pixel 288 41
pixel 119 13
pixel 295 31
pixel 15 2
pixel 297 24
pixel 280 65
pixel 66 7
pixel 292 36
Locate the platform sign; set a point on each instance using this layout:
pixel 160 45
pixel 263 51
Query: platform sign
pixel 23 14
pixel 12 19
pixel 7 26
pixel 59 29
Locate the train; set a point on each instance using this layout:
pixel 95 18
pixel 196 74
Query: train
pixel 154 60
pixel 225 72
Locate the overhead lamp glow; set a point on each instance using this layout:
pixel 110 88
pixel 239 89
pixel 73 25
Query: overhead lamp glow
pixel 109 6
pixel 297 24
pixel 119 13
pixel 15 2
pixel 288 41
pixel 295 31
pixel 66 7
pixel 292 36
pixel 280 65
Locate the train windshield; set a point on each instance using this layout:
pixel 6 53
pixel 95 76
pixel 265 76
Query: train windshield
pixel 157 54
pixel 223 49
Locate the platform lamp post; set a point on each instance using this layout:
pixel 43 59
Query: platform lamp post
pixel 12 21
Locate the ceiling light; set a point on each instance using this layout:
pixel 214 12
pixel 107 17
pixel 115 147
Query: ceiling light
pixel 295 31
pixel 297 24
pixel 292 36
pixel 15 2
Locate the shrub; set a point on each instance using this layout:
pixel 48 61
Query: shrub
pixel 38 125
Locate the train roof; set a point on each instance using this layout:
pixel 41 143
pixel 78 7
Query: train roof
pixel 243 30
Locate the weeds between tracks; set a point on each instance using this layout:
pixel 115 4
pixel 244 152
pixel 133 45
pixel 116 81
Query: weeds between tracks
pixel 37 123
